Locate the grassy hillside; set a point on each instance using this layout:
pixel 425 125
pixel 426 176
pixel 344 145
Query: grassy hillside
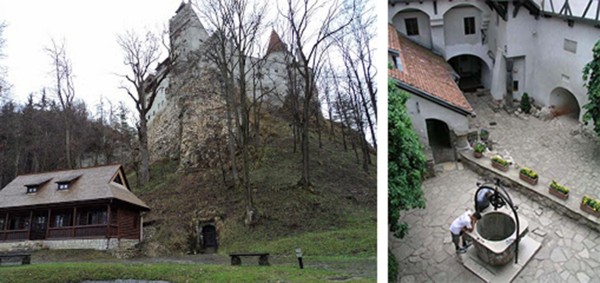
pixel 338 218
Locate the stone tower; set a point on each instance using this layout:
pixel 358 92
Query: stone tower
pixel 186 32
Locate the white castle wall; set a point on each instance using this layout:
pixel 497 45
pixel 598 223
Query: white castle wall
pixel 536 46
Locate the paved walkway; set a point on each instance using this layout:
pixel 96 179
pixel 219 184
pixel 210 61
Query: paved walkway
pixel 570 251
pixel 557 149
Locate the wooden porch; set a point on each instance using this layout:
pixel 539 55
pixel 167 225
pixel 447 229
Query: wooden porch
pixel 60 223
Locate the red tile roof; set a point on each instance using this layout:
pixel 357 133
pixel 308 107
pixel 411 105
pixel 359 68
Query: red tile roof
pixel 275 44
pixel 424 70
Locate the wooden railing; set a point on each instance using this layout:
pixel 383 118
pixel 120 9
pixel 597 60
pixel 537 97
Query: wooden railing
pixel 82 231
pixel 14 235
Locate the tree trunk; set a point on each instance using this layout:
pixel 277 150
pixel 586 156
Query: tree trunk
pixel 68 145
pixel 144 171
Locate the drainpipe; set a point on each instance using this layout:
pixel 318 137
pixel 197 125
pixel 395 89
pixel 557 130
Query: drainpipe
pixel 498 200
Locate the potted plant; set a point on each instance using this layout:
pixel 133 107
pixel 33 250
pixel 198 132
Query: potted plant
pixel 525 103
pixel 500 163
pixel 484 134
pixel 558 190
pixel 590 205
pixel 478 150
pixel 528 175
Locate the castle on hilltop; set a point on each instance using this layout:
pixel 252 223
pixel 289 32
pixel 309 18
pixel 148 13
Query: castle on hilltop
pixel 188 116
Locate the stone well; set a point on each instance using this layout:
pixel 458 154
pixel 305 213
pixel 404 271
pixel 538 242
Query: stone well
pixel 495 234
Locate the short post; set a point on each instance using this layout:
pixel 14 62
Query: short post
pixel 299 256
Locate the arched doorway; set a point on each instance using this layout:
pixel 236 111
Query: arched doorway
pixel 209 239
pixel 414 24
pixel 564 103
pixel 440 140
pixel 471 70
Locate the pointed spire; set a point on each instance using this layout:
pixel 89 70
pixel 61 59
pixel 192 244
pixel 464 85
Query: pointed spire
pixel 275 44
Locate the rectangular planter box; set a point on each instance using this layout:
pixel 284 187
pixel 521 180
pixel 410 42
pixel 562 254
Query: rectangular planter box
pixel 589 210
pixel 526 178
pixel 499 166
pixel 557 194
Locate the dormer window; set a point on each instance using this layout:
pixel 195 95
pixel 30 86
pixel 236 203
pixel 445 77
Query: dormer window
pixel 36 185
pixel 63 186
pixel 66 182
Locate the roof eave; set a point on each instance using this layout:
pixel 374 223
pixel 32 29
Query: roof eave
pixel 432 98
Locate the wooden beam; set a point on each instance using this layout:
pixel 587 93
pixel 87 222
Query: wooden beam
pixel 6 227
pixel 587 8
pixel 48 223
pixel 517 4
pixel 74 222
pixel 108 221
pixel 552 6
pixel 597 10
pixel 30 223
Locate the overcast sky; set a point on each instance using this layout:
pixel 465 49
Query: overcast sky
pixel 89 29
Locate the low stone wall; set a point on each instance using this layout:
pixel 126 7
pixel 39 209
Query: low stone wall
pixel 538 193
pixel 94 244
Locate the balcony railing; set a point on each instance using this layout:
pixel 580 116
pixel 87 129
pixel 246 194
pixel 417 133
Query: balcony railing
pixel 87 231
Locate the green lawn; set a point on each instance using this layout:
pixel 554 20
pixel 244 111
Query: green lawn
pixel 77 272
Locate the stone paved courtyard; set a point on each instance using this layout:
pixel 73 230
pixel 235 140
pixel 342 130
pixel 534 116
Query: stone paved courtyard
pixel 557 149
pixel 570 251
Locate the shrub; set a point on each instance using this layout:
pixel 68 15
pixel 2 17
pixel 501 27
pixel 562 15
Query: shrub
pixel 525 103
pixel 484 134
pixel 392 267
pixel 500 160
pixel 529 173
pixel 591 202
pixel 479 147
pixel 559 187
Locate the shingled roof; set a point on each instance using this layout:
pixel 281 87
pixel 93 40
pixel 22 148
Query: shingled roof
pixel 87 184
pixel 425 71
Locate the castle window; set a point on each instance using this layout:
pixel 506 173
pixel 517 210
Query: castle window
pixel 394 60
pixel 469 25
pixel 412 26
pixel 570 46
pixel 515 85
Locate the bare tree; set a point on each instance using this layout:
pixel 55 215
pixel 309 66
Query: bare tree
pixel 310 47
pixel 3 83
pixel 65 89
pixel 237 25
pixel 141 54
pixel 356 50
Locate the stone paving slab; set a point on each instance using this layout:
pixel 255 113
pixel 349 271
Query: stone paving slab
pixel 559 259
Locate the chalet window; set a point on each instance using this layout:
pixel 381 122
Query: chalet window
pixel 92 216
pixel 118 180
pixel 61 218
pixel 2 219
pixel 412 26
pixel 63 186
pixel 18 222
pixel 32 189
pixel 469 25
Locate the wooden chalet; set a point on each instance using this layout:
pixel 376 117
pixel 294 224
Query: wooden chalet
pixel 88 203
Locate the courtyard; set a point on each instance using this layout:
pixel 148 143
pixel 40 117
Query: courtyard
pixel 557 149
